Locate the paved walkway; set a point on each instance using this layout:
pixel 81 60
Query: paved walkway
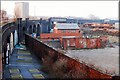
pixel 23 65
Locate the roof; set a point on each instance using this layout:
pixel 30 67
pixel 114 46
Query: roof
pixel 67 26
pixel 105 60
pixel 69 36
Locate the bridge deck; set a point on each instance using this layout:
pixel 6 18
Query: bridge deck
pixel 25 65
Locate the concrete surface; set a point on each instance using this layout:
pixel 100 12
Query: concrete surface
pixel 105 60
pixel 23 65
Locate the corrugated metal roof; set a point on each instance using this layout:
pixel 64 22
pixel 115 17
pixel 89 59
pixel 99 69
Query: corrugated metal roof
pixel 67 26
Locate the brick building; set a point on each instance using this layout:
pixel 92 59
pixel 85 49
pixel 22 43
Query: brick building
pixel 62 29
pixel 73 42
pixel 99 26
pixel 66 28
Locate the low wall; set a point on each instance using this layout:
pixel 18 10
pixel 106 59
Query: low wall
pixel 57 35
pixel 1 66
pixel 60 64
pixel 81 43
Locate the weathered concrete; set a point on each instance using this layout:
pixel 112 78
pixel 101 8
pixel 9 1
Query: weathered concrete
pixel 105 60
pixel 0 52
pixel 23 65
pixel 0 66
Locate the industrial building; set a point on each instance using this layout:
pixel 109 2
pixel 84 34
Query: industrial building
pixel 99 26
pixel 47 25
pixel 66 28
pixel 27 52
pixel 50 56
pixel 21 10
pixel 116 25
pixel 3 16
pixel 62 29
pixel 73 42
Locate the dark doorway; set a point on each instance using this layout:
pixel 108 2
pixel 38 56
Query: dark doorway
pixel 38 30
pixel 34 28
pixel 30 29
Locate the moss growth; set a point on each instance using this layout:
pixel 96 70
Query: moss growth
pixel 16 76
pixel 23 52
pixel 14 70
pixel 25 57
pixel 62 68
pixel 38 76
pixel 24 61
pixel 33 70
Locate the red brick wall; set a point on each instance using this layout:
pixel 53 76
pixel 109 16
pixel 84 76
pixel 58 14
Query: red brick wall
pixel 73 68
pixel 91 43
pixel 81 42
pixel 65 31
pixel 57 35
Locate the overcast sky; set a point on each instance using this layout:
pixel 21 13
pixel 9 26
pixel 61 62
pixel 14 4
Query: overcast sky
pixel 102 9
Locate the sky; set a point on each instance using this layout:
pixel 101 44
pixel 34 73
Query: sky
pixel 101 9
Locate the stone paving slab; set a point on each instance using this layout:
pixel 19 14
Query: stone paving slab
pixel 23 52
pixel 24 61
pixel 34 70
pixel 16 76
pixel 14 70
pixel 38 76
pixel 24 57
pixel 23 65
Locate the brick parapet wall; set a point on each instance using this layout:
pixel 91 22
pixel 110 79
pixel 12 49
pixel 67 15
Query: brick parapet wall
pixel 72 68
